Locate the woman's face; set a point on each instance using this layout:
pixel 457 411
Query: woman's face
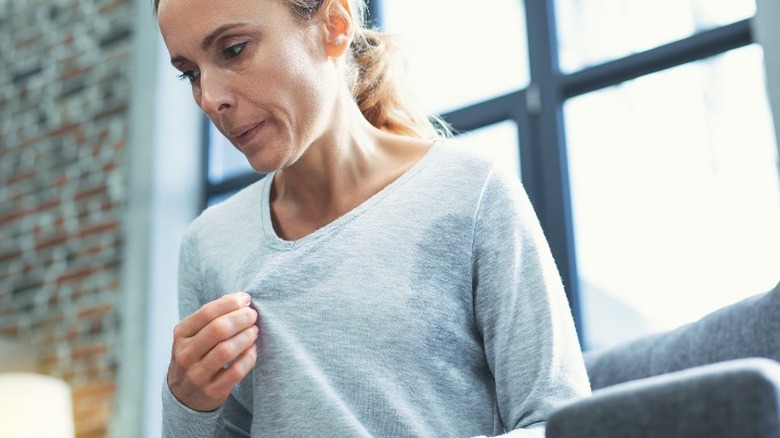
pixel 260 74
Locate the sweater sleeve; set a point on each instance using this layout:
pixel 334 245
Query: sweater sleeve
pixel 178 419
pixel 522 312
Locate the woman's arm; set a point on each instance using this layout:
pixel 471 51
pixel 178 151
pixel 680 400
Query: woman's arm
pixel 213 349
pixel 522 312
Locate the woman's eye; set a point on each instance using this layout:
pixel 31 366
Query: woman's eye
pixel 190 75
pixel 234 50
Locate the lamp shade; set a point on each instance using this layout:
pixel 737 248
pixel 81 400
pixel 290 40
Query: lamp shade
pixel 34 405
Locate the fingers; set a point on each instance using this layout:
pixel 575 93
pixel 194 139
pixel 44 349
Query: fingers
pixel 213 349
pixel 223 355
pixel 237 370
pixel 219 388
pixel 220 330
pixel 230 324
pixel 215 336
pixel 194 323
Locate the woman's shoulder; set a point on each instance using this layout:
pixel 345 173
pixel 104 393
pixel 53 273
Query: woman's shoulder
pixel 450 178
pixel 453 161
pixel 473 172
pixel 234 210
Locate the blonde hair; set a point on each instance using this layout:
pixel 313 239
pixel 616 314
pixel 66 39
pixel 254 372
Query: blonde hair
pixel 376 72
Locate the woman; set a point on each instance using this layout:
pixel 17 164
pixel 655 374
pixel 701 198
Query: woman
pixel 388 285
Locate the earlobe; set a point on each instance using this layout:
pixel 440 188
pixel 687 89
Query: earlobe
pixel 340 29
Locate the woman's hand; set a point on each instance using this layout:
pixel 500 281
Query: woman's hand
pixel 213 349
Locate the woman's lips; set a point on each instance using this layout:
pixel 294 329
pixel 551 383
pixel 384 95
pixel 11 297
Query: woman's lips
pixel 246 134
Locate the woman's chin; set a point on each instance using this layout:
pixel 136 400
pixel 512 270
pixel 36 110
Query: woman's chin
pixel 265 164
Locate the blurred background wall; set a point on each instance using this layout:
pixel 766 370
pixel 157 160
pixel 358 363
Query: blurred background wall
pixel 99 161
pixel 99 175
pixel 64 106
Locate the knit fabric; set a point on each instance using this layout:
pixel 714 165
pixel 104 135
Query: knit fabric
pixel 432 309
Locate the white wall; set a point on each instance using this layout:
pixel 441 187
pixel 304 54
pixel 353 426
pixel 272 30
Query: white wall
pixel 164 182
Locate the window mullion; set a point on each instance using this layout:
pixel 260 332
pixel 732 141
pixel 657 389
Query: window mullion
pixel 549 191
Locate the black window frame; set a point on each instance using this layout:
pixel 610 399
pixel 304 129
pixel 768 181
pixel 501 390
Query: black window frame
pixel 537 110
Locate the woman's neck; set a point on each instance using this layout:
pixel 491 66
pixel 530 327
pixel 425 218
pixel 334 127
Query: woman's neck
pixel 338 173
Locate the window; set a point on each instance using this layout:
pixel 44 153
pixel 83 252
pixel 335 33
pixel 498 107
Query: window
pixel 225 161
pixel 496 142
pixel 496 49
pixel 494 45
pixel 675 195
pixel 595 31
pixel 641 132
pixel 226 169
pixel 675 204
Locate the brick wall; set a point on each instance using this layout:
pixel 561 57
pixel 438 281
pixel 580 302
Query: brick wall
pixel 64 101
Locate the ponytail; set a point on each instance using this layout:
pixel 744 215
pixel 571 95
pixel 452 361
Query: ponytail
pixel 376 70
pixel 378 90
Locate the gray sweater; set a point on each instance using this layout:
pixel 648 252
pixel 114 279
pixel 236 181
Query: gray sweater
pixel 433 309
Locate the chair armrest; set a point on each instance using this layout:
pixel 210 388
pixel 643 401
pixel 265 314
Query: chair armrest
pixel 737 398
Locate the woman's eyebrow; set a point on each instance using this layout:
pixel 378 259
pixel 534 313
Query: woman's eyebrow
pixel 177 60
pixel 208 40
pixel 211 37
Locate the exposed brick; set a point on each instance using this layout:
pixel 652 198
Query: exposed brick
pixel 91 416
pixel 95 312
pixel 13 216
pixel 10 331
pixel 99 228
pixel 76 275
pixel 56 240
pixel 75 72
pixel 9 255
pixel 109 166
pixel 94 191
pixel 64 97
pixel 118 110
pixel 49 363
pixel 26 285
pixel 30 40
pixel 90 390
pixel 25 72
pixel 91 251
pixel 108 7
pixel 48 205
pixel 60 181
pixel 86 351
pixel 28 142
pixel 21 176
pixel 50 322
pixel 69 61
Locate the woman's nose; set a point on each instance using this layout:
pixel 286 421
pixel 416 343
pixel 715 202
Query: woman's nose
pixel 215 94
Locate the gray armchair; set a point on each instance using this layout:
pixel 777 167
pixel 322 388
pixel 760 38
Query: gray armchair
pixel 717 377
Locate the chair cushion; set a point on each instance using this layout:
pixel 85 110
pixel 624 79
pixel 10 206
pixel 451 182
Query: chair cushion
pixel 748 328
pixel 736 398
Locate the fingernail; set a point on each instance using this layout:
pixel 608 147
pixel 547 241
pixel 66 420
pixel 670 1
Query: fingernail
pixel 247 298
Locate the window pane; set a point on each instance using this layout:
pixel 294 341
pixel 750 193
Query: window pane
pixel 455 57
pixel 225 161
pixel 593 31
pixel 675 194
pixel 495 142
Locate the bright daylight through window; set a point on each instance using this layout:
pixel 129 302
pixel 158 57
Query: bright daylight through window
pixel 675 195
pixel 674 175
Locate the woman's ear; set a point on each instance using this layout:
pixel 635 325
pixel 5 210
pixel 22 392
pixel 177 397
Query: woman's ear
pixel 340 27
